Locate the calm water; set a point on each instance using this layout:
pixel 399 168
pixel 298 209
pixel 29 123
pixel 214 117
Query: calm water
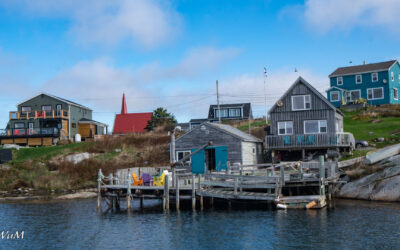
pixel 76 224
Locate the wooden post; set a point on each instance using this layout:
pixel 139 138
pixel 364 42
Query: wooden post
pixel 177 192
pixel 201 196
pixel 303 154
pixel 99 189
pixel 166 193
pixel 236 186
pixel 128 192
pixel 201 203
pixel 141 202
pixel 321 175
pixel 193 194
pixel 282 171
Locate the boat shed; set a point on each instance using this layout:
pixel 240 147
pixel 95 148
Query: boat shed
pixel 229 144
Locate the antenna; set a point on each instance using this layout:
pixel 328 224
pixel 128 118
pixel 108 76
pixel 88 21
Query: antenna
pixel 219 109
pixel 265 95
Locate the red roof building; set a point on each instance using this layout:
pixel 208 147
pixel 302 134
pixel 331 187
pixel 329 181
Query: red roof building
pixel 126 123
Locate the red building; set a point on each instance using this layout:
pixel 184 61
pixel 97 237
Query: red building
pixel 126 123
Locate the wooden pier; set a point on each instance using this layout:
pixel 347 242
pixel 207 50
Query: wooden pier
pixel 287 185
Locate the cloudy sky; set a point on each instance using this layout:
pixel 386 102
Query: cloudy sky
pixel 170 53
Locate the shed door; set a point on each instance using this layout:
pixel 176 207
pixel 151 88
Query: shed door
pixel 221 158
pixel 198 162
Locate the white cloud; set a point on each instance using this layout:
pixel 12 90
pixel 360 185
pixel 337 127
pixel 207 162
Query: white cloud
pixel 325 15
pixel 146 22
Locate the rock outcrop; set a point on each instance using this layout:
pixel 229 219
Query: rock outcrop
pixel 383 185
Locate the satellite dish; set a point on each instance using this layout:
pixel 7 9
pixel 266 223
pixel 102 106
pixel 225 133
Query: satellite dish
pixel 279 103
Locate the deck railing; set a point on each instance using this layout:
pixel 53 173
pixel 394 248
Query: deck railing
pixel 16 115
pixel 310 141
pixel 23 132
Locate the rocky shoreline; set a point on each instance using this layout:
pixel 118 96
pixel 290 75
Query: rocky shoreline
pixel 29 195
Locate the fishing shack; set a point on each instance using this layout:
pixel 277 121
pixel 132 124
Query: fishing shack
pixel 229 144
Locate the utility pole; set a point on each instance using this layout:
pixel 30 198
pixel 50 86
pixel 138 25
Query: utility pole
pixel 219 109
pixel 265 95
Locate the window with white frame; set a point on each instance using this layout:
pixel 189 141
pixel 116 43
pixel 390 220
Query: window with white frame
pixel 234 112
pixel 375 93
pixel 358 79
pixel 339 80
pixel 354 95
pixel 224 113
pixel 285 128
pixel 392 76
pixel 399 77
pixel 301 102
pixel 26 109
pixel 374 77
pixel 315 126
pixel 46 107
pixel 19 125
pixel 395 94
pixel 335 96
pixel 181 154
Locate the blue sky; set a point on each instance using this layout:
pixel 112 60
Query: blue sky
pixel 170 53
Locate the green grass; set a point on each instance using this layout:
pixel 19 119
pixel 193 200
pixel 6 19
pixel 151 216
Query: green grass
pixel 46 153
pixel 259 123
pixel 361 128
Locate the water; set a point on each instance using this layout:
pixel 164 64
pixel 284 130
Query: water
pixel 76 224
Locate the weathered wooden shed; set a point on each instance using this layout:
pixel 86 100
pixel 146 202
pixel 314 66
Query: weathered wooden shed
pixel 228 144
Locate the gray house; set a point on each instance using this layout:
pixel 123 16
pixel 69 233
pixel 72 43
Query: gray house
pixel 44 118
pixel 228 144
pixel 303 121
pixel 234 111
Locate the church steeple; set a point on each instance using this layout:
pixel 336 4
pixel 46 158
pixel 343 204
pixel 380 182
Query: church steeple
pixel 123 108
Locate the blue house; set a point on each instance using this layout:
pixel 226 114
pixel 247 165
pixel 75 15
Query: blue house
pixel 377 83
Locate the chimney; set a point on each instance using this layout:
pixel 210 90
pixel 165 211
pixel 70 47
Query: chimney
pixel 123 108
pixel 364 62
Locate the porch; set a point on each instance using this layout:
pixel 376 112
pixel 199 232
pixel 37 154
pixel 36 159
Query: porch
pixel 30 137
pixel 16 115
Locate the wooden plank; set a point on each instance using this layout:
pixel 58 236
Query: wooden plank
pixel 34 141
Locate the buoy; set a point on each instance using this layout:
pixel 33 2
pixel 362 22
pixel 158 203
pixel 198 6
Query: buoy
pixel 311 204
pixel 281 206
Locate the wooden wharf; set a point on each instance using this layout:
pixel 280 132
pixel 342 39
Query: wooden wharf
pixel 287 185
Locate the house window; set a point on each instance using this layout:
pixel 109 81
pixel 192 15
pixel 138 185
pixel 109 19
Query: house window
pixel 19 125
pixel 374 77
pixel 335 96
pixel 181 154
pixel 395 94
pixel 392 76
pixel 358 79
pixel 46 108
pixel 301 102
pixel 375 93
pixel 340 80
pixel 315 127
pixel 253 151
pixel 224 113
pixel 399 77
pixel 26 109
pixel 285 128
pixel 234 112
pixel 354 95
pixel 73 125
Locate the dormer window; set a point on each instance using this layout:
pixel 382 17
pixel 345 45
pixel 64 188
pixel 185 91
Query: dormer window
pixel 374 77
pixel 301 102
pixel 358 79
pixel 224 113
pixel 340 80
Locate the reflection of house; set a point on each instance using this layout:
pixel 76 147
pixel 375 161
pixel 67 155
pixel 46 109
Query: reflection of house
pixel 377 83
pixel 303 121
pixel 228 144
pixel 43 119
pixel 126 123
pixel 237 111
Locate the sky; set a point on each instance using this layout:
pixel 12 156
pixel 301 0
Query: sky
pixel 171 53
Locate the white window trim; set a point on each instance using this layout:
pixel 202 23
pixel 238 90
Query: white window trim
pixel 372 77
pixel 397 91
pixel 360 79
pixel 337 80
pixel 383 94
pixel 335 92
pixel 222 110
pixel 399 77
pixel 304 100
pixel 319 126
pixel 285 122
pixel 183 151
pixel 392 76
pixel 351 99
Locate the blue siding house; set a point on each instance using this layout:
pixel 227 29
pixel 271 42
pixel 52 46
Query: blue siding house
pixel 377 83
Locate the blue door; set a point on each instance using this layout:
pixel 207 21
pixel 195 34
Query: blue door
pixel 198 162
pixel 221 158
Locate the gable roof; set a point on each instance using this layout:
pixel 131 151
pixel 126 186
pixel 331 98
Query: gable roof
pixel 309 86
pixel 350 70
pixel 201 120
pixel 246 108
pixel 227 129
pixel 57 98
pixel 334 87
pixel 131 123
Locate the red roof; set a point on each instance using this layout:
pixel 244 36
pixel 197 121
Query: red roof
pixel 131 123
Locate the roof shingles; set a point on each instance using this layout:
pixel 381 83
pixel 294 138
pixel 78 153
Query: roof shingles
pixel 362 68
